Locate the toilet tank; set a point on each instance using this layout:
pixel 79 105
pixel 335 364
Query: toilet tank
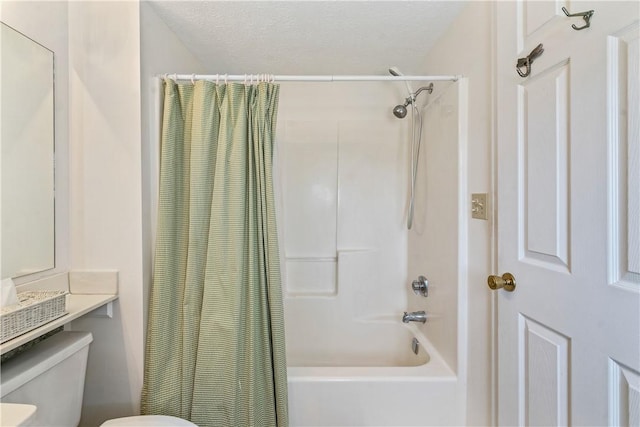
pixel 50 375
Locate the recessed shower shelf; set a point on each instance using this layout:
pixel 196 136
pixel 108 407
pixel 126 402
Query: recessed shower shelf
pixel 77 305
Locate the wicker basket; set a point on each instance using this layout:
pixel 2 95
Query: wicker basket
pixel 35 308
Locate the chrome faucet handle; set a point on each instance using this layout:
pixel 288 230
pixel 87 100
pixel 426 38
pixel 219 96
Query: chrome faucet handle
pixel 421 286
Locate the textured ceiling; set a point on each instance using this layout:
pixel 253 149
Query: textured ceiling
pixel 309 37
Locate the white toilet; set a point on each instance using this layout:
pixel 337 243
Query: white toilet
pixel 51 376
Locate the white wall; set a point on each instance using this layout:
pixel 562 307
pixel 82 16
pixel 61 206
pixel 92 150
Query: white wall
pixel 467 48
pixel 105 194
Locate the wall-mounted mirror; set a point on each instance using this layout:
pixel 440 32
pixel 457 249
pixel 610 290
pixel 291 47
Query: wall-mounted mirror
pixel 27 156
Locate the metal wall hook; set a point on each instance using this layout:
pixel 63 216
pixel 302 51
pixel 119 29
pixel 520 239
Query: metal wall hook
pixel 585 15
pixel 528 60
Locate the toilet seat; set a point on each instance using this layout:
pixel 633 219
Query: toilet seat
pixel 148 421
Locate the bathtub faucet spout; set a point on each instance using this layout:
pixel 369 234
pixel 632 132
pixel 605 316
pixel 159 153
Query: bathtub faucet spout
pixel 414 316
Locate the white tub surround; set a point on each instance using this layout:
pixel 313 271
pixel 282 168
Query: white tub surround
pixel 349 259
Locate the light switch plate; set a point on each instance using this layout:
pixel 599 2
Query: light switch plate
pixel 479 208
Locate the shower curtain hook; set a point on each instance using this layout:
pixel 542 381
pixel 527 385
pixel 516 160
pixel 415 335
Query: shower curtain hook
pixel 225 78
pixel 193 76
pixel 217 77
pixel 175 77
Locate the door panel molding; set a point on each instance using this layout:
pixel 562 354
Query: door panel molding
pixel 623 112
pixel 624 395
pixel 543 168
pixel 543 366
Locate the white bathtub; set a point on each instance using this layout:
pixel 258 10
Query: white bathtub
pixel 367 375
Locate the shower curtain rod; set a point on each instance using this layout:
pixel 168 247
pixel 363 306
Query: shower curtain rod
pixel 305 78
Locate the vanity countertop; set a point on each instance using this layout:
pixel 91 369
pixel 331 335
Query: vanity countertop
pixel 76 305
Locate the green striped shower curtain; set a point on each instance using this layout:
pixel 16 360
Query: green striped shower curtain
pixel 215 351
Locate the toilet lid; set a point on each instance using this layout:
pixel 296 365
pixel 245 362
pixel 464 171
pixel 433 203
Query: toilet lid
pixel 148 420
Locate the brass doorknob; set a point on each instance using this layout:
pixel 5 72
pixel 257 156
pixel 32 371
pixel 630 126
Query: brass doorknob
pixel 507 281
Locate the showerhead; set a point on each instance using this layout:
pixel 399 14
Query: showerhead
pixel 400 111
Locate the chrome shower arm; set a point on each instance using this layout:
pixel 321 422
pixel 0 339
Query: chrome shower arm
pixel 412 96
pixel 427 88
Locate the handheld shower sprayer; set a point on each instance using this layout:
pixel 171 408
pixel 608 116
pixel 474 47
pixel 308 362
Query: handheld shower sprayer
pixel 400 111
pixel 394 71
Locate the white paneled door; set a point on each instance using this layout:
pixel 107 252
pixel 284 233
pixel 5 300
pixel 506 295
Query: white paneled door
pixel 568 209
